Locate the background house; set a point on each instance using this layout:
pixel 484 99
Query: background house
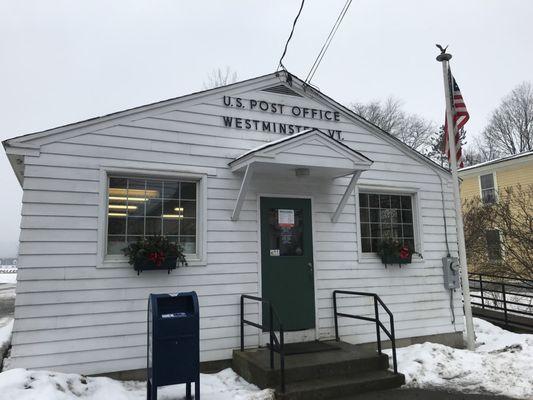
pixel 498 232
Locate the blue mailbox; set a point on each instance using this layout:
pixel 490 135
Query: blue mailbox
pixel 173 347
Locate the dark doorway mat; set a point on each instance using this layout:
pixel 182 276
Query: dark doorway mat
pixel 308 347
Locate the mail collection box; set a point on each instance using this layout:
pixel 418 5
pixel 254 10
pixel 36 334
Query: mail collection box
pixel 173 345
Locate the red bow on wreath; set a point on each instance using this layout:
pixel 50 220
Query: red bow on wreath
pixel 157 257
pixel 405 252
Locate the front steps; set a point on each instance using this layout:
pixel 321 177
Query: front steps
pixel 342 371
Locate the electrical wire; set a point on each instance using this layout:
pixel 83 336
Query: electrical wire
pixel 328 41
pixel 447 246
pixel 280 65
pixel 444 216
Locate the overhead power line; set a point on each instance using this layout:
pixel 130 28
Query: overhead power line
pixel 326 44
pixel 290 36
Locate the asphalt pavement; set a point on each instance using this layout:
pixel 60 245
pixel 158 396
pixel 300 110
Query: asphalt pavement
pixel 422 394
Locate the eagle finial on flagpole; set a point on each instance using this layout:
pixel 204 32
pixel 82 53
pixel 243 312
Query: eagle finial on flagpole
pixel 443 56
pixel 442 50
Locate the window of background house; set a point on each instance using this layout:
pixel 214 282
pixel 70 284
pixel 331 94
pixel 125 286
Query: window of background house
pixel 139 207
pixel 383 216
pixel 494 246
pixel 488 191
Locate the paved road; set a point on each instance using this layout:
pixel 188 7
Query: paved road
pixel 420 394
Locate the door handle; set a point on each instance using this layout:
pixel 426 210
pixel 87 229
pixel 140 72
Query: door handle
pixel 310 266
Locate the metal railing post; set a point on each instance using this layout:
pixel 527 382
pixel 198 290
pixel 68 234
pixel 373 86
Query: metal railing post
pixel 242 323
pixel 505 305
pixel 335 316
pixel 481 290
pixel 378 334
pixel 393 343
pixel 271 337
pixel 282 357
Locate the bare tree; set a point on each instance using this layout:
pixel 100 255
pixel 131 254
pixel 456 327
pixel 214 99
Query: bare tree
pixel 512 217
pixel 387 115
pixel 220 77
pixel 485 150
pixel 411 129
pixel 510 129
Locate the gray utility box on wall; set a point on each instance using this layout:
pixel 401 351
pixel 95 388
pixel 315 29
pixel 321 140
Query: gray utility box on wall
pixel 450 266
pixel 173 347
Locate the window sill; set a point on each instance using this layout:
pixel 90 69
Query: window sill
pixel 123 263
pixel 373 258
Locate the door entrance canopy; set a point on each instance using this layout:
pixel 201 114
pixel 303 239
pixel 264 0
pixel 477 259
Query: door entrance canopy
pixel 307 153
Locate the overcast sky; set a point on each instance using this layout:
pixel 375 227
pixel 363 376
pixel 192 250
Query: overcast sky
pixel 65 61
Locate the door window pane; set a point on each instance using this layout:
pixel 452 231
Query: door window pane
pixel 285 232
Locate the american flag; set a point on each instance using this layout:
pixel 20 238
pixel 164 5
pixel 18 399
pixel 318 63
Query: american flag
pixel 460 117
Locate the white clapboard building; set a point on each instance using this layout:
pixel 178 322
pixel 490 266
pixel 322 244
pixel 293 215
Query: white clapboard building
pixel 282 193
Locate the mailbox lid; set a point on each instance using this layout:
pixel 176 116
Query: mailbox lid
pixel 182 303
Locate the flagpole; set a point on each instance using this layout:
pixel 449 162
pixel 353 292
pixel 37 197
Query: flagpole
pixel 444 58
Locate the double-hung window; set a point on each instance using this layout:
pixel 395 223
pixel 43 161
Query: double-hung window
pixel 385 216
pixel 494 245
pixel 138 207
pixel 488 190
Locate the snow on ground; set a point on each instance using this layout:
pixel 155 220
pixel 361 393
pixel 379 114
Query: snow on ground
pixel 496 299
pixel 20 384
pixel 8 278
pixel 501 364
pixel 6 326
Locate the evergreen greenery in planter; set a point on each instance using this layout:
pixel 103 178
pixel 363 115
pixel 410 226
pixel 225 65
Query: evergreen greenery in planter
pixel 154 253
pixel 392 251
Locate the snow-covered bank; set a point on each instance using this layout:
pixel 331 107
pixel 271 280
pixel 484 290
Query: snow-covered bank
pixel 6 326
pixel 502 364
pixel 8 278
pixel 20 384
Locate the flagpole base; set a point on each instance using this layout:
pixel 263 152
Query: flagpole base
pixel 444 57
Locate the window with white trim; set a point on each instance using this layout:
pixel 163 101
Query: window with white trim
pixel 385 216
pixel 488 190
pixel 494 245
pixel 140 206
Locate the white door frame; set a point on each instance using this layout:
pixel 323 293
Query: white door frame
pixel 294 336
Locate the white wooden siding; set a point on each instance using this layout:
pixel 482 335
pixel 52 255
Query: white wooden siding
pixel 74 317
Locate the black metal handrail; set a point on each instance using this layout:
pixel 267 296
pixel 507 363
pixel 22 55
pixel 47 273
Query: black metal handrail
pixel 274 345
pixel 488 285
pixel 379 324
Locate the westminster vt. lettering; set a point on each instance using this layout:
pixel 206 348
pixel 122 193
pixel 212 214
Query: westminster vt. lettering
pixel 273 127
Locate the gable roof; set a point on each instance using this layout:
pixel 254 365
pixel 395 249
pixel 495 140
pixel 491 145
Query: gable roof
pixel 29 144
pixel 507 159
pixel 307 132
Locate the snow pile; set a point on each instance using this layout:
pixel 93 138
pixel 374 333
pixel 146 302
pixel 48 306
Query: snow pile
pixel 21 384
pixel 6 326
pixel 501 364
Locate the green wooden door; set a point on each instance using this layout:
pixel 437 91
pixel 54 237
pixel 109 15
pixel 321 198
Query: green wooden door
pixel 287 261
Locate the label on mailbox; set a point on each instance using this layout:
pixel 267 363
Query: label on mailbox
pixel 174 315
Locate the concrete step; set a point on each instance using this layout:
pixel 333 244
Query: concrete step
pixel 334 387
pixel 347 360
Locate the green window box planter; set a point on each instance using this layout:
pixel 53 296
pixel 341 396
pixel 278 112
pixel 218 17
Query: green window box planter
pixel 395 259
pixel 145 264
